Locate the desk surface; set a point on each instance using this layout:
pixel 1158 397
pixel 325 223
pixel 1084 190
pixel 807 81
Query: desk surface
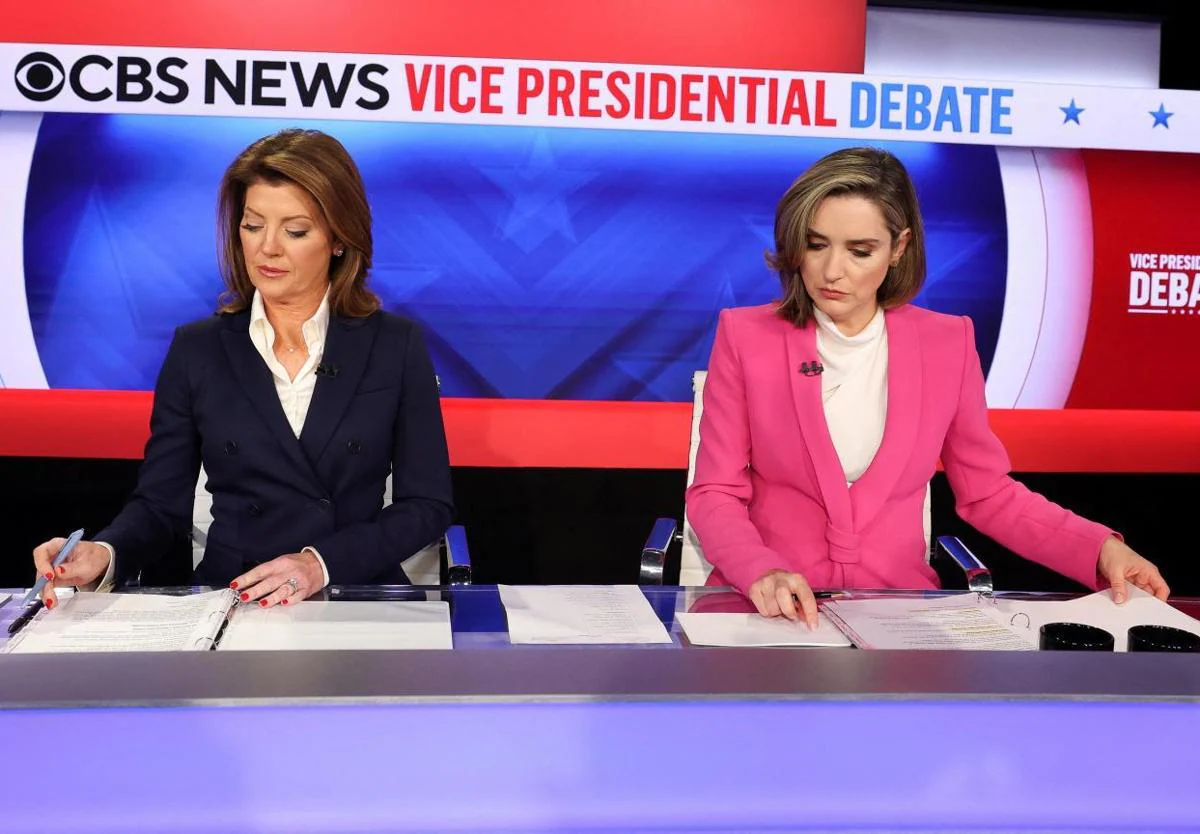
pixel 485 667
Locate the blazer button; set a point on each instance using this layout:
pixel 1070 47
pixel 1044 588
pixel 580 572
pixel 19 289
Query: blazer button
pixel 324 505
pixel 353 447
pixel 255 510
pixel 231 447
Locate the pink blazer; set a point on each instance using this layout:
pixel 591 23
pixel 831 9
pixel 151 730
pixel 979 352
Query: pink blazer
pixel 769 491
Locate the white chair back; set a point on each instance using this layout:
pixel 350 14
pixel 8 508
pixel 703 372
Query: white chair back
pixel 693 567
pixel 423 568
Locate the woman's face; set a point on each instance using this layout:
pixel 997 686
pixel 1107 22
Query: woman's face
pixel 846 257
pixel 286 244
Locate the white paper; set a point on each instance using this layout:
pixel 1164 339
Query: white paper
pixel 570 614
pixel 749 630
pixel 1098 610
pixel 957 622
pixel 370 624
pixel 89 622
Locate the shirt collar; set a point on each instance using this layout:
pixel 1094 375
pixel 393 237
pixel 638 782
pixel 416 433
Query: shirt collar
pixel 313 330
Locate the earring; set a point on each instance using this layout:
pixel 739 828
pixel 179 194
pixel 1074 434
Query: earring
pixel 337 253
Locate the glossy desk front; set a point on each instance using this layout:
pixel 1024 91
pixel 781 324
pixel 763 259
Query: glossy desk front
pixel 672 738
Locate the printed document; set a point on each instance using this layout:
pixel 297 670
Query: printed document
pixel 963 621
pixel 572 614
pixel 89 622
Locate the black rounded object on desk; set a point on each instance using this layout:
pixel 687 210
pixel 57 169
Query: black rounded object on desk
pixel 1074 637
pixel 1157 638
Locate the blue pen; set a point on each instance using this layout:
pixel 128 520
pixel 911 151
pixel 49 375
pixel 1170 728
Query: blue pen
pixel 32 602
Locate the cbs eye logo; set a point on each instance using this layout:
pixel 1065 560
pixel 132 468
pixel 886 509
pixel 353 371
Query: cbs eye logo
pixel 40 76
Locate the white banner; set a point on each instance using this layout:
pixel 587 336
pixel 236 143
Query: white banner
pixel 307 85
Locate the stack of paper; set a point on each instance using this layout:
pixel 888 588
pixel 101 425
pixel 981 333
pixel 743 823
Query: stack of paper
pixel 750 630
pixel 339 625
pixel 580 614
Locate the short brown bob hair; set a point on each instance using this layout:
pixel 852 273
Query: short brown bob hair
pixel 867 172
pixel 318 164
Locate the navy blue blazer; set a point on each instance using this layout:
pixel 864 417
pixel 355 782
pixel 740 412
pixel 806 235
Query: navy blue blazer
pixel 375 410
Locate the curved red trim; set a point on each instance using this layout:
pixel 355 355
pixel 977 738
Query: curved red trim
pixel 609 435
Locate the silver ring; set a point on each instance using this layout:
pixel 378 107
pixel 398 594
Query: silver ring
pixel 295 583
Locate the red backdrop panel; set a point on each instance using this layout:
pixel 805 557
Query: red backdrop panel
pixel 816 35
pixel 617 435
pixel 1142 204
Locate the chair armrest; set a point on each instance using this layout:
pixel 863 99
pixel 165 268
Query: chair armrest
pixel 458 557
pixel 979 578
pixel 654 551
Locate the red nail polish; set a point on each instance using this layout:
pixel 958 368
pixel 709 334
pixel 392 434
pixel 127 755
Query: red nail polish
pixel 49 603
pixel 285 602
pixel 49 575
pixel 233 584
pixel 61 569
pixel 263 603
pixel 245 597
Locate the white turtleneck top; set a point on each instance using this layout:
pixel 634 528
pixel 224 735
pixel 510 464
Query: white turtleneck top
pixel 854 390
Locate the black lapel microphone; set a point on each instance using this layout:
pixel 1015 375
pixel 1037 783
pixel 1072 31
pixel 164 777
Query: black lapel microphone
pixel 327 369
pixel 813 368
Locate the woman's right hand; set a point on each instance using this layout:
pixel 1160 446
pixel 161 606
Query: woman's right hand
pixel 86 564
pixel 782 593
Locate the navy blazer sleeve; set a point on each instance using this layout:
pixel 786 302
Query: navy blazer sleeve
pixel 422 504
pixel 160 510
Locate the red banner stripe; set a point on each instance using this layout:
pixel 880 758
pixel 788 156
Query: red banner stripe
pixel 610 435
pixel 814 35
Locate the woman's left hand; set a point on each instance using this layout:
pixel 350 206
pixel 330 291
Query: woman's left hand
pixel 1119 564
pixel 284 579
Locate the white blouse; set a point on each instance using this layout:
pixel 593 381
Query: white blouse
pixel 854 390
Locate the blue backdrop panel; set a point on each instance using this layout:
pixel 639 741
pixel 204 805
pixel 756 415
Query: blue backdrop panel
pixel 575 264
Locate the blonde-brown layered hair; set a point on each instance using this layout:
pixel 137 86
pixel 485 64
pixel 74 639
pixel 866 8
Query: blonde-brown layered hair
pixel 318 164
pixel 865 172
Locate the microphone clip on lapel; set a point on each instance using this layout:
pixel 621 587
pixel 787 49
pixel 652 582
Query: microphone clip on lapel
pixel 327 369
pixel 813 368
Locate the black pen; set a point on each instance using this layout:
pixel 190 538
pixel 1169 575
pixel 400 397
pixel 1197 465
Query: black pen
pixel 28 614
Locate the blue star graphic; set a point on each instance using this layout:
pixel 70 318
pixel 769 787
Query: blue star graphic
pixel 1160 116
pixel 1071 112
pixel 539 192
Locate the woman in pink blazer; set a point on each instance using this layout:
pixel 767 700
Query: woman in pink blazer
pixel 825 415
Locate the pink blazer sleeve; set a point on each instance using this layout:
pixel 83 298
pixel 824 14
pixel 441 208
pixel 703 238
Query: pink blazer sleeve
pixel 717 500
pixel 988 499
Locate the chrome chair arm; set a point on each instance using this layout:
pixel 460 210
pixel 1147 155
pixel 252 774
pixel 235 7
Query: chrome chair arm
pixel 979 578
pixel 654 551
pixel 457 556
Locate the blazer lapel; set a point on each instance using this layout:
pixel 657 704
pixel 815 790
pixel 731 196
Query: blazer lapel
pixel 347 349
pixel 905 379
pixel 810 408
pixel 258 384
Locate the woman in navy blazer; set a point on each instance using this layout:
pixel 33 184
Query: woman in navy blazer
pixel 299 398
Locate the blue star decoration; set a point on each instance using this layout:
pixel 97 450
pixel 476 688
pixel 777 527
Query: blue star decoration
pixel 541 193
pixel 1160 116
pixel 1071 112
